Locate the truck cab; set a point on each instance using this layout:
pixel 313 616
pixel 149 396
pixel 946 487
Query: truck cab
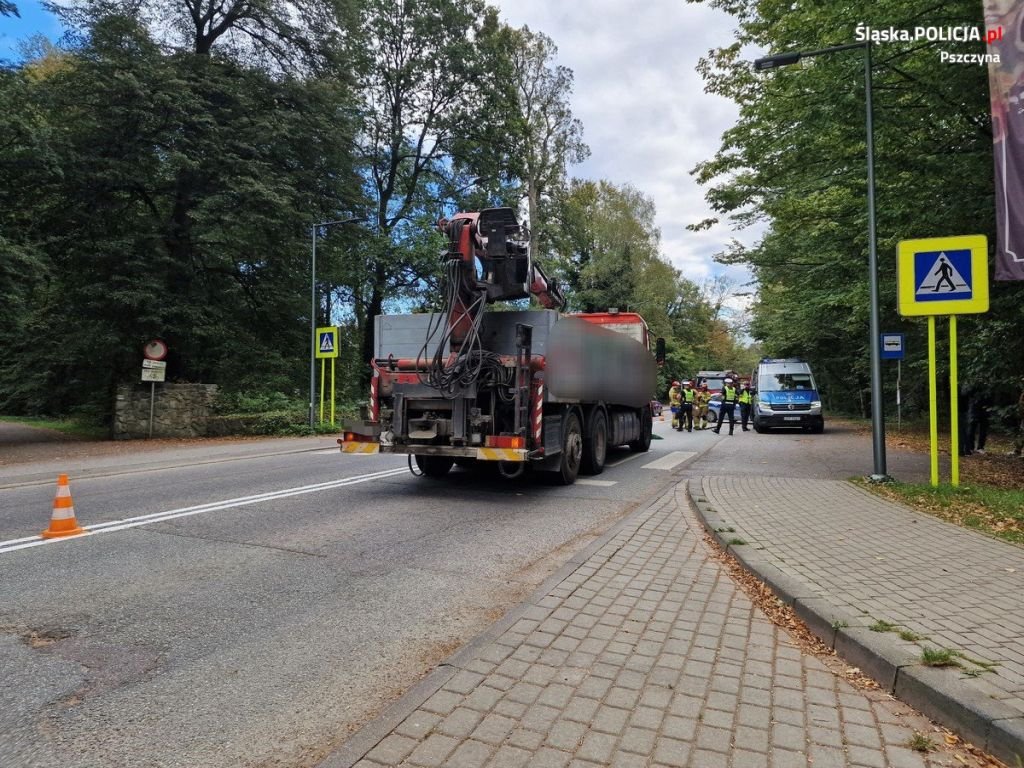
pixel 786 396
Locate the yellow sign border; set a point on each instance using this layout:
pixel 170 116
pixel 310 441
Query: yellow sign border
pixel 334 335
pixel 906 288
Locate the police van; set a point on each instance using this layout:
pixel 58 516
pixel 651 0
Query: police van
pixel 785 395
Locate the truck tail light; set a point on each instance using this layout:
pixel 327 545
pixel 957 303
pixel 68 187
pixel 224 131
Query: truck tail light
pixel 505 441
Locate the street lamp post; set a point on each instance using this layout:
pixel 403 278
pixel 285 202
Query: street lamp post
pixel 312 312
pixel 877 414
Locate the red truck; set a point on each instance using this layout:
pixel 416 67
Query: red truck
pixel 522 388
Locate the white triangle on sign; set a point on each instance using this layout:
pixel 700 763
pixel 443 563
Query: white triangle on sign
pixel 326 343
pixel 942 277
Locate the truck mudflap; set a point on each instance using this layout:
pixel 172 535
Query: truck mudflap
pixel 480 453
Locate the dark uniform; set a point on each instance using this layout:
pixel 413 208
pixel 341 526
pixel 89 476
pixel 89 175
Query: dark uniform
pixel 744 400
pixel 730 396
pixel 977 421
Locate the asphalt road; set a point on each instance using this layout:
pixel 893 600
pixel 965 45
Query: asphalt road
pixel 253 604
pixel 236 608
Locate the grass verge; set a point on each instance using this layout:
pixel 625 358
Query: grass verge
pixel 71 427
pixel 996 511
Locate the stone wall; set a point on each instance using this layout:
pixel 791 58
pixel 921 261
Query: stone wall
pixel 180 410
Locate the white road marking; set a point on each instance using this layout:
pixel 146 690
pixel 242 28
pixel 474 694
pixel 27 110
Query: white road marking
pixel 599 483
pixel 215 506
pixel 623 461
pixel 670 460
pixel 329 452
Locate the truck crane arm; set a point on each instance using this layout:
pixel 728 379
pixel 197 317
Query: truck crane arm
pixel 488 260
pixel 494 238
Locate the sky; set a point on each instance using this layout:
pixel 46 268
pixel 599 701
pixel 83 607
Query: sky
pixel 34 20
pixel 645 115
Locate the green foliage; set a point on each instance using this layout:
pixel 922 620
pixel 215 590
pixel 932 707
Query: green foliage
pixel 262 412
pixel 158 195
pixel 160 181
pixel 796 161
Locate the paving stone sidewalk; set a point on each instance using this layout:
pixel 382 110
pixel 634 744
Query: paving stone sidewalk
pixel 861 559
pixel 645 654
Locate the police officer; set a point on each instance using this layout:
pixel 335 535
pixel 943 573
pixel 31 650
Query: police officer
pixel 744 400
pixel 730 396
pixel 689 401
pixel 675 398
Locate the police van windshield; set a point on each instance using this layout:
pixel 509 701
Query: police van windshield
pixel 776 378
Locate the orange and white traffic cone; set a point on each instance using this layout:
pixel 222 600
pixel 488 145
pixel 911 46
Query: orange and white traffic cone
pixel 62 521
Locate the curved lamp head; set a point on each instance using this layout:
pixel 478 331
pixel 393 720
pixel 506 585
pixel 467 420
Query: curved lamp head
pixel 776 61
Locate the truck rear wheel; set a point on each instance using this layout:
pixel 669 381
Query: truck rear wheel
pixel 595 447
pixel 434 466
pixel 643 444
pixel 572 450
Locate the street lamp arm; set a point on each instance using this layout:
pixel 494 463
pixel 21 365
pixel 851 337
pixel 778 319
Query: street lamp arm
pixel 354 220
pixel 785 59
pixel 877 413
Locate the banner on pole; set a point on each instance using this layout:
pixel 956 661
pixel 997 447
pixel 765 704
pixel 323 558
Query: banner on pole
pixel 1006 85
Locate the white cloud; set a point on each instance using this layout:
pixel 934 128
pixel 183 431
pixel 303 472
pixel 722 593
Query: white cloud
pixel 645 114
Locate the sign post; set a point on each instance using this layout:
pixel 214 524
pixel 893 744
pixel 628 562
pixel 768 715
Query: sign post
pixel 154 369
pixel 892 349
pixel 326 347
pixel 943 276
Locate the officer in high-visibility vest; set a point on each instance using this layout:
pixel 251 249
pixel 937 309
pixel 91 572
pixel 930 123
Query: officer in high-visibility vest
pixel 689 400
pixel 675 398
pixel 744 400
pixel 730 396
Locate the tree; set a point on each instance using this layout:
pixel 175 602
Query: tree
pixel 176 204
pixel 548 138
pixel 420 85
pixel 795 163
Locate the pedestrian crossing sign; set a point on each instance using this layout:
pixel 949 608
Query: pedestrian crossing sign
pixel 326 342
pixel 943 276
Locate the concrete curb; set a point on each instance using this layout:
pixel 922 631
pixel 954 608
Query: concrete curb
pixel 941 694
pixel 366 738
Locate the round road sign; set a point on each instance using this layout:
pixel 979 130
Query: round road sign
pixel 155 350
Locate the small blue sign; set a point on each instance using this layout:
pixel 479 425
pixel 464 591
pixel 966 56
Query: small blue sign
pixel 326 342
pixel 943 275
pixel 892 346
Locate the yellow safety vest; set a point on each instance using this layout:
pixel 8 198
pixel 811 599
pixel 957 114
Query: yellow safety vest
pixel 688 395
pixel 728 394
pixel 745 396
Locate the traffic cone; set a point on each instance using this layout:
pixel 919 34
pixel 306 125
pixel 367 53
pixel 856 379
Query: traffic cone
pixel 62 521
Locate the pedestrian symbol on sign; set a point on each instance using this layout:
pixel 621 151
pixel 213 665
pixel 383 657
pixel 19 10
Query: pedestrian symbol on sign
pixel 326 342
pixel 942 275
